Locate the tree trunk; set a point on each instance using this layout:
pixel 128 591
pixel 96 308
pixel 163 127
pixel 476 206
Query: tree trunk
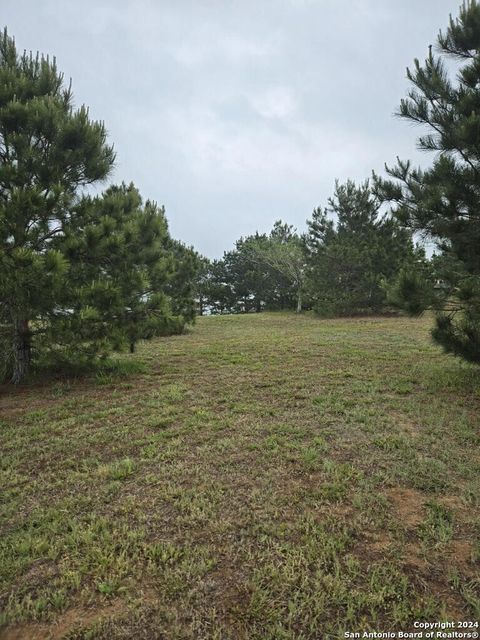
pixel 132 347
pixel 22 350
pixel 299 301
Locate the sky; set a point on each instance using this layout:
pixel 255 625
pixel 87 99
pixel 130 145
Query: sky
pixel 236 113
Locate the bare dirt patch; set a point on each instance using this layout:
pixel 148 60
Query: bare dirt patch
pixel 74 619
pixel 408 505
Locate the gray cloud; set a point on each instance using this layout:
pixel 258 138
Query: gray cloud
pixel 235 113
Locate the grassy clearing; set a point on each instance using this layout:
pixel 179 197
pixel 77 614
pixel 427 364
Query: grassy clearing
pixel 263 477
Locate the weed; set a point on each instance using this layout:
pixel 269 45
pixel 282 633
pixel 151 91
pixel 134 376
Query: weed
pixel 438 525
pixel 118 470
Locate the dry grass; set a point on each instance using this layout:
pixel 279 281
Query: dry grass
pixel 266 477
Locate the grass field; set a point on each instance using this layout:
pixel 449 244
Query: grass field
pixel 264 477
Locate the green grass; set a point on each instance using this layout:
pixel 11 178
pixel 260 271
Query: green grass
pixel 262 477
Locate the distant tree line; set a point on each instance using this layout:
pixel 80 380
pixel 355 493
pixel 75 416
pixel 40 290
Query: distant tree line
pixel 339 267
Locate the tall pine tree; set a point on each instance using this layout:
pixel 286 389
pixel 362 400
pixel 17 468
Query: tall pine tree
pixel 79 275
pixel 443 202
pixel 48 150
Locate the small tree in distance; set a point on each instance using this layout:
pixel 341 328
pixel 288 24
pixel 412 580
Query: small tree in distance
pixel 283 251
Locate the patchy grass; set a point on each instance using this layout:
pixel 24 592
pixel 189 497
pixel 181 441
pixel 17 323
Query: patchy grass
pixel 262 477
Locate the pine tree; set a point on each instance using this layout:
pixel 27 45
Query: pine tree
pixel 80 276
pixel 121 267
pixel 443 202
pixel 217 287
pixel 181 286
pixel 48 151
pixel 352 249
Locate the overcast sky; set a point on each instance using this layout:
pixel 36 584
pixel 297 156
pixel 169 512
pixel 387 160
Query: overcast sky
pixel 235 113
